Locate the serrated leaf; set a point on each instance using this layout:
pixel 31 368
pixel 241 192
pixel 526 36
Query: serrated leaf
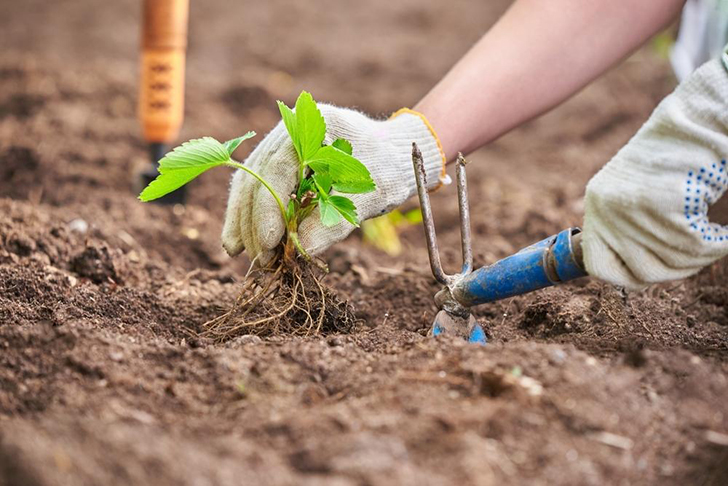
pixel 328 213
pixel 342 167
pixel 323 179
pixel 310 126
pixel 289 120
pixel 343 145
pixel 183 164
pixel 346 208
pixel 233 144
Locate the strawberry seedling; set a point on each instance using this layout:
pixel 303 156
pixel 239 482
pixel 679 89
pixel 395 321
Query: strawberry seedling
pixel 321 170
pixel 286 295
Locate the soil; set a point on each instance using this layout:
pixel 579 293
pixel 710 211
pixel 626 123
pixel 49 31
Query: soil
pixel 105 380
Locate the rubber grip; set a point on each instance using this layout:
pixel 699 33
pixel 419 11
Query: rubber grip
pixel 164 41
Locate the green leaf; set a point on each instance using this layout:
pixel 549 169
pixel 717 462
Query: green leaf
pixel 350 187
pixel 346 208
pixel 183 164
pixel 343 145
pixel 310 126
pixel 323 179
pixel 346 171
pixel 289 120
pixel 328 213
pixel 231 145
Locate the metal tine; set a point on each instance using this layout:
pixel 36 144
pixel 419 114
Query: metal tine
pixel 429 223
pixel 464 208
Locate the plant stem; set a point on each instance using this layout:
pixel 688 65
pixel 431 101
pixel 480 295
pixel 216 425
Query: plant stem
pixel 236 165
pixel 299 247
pixel 301 168
pixel 292 225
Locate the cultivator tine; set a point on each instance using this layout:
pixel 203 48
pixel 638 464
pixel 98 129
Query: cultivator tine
pixel 464 216
pixel 429 223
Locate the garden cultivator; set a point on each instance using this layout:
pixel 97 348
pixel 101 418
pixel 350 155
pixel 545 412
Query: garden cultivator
pixel 554 260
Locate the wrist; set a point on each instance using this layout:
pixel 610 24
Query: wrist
pixel 408 126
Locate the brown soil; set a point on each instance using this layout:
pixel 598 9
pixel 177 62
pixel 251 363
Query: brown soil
pixel 104 380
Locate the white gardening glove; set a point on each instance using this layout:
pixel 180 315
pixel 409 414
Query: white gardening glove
pixel 646 210
pixel 253 221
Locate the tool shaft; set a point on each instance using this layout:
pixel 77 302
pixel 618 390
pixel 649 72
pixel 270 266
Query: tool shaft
pixel 164 41
pixel 554 260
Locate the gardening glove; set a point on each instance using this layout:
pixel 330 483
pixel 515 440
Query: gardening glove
pixel 646 210
pixel 253 221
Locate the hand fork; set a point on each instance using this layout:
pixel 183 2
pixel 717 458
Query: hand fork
pixel 554 260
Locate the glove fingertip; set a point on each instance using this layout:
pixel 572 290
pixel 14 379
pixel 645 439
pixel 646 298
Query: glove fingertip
pixel 264 258
pixel 232 237
pixel 233 247
pixel 271 232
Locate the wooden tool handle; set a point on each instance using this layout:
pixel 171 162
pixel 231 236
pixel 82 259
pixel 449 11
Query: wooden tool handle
pixel 164 41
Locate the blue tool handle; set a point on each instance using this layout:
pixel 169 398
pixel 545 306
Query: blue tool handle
pixel 554 260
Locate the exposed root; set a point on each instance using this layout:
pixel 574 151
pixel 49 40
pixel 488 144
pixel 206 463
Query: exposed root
pixel 287 299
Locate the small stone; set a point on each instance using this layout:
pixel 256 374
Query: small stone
pixel 249 339
pixel 78 226
pixel 191 233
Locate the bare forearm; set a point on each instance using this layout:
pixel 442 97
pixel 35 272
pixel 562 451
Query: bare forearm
pixel 536 56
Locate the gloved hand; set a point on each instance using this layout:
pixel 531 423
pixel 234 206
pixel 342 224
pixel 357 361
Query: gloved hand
pixel 252 219
pixel 646 210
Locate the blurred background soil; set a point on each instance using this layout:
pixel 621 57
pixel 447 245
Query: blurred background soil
pixel 103 379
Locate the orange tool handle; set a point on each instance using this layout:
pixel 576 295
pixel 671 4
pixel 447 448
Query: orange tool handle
pixel 164 41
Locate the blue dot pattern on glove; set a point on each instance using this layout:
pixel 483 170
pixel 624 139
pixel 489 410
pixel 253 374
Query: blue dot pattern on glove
pixel 702 189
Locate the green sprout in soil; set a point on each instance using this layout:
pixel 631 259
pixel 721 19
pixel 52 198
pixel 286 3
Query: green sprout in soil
pixel 286 296
pixel 321 170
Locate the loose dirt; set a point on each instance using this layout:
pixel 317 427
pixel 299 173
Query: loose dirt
pixel 104 378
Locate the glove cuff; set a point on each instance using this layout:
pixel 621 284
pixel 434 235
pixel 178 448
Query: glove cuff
pixel 413 126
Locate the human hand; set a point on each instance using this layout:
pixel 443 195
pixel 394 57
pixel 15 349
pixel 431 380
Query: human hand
pixel 253 221
pixel 646 214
